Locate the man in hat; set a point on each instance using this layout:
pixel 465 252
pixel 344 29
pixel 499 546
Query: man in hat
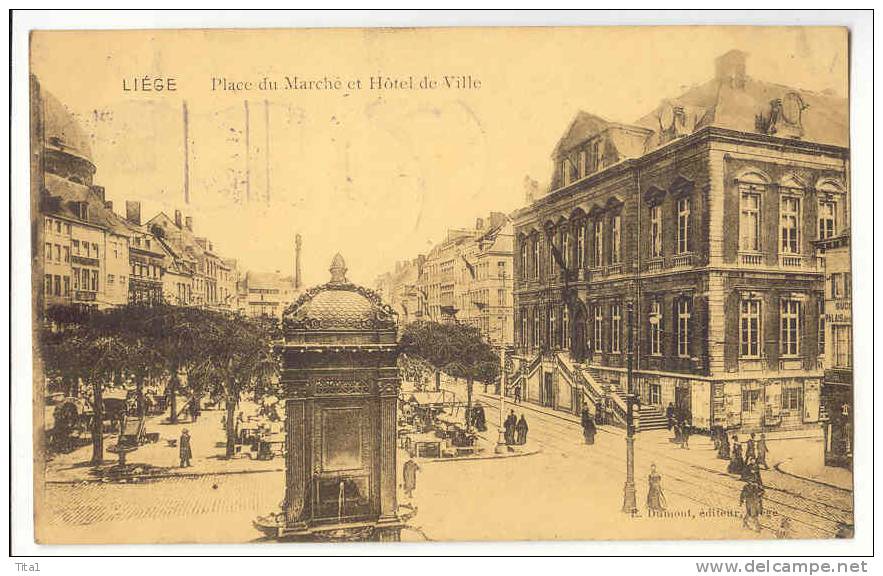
pixel 184 452
pixel 752 498
pixel 762 451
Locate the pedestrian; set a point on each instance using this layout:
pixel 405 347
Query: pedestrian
pixel 509 427
pixel 752 498
pixel 184 452
pixel 670 415
pixel 685 435
pixel 723 451
pixel 747 473
pixel 784 531
pixel 479 419
pixel 655 496
pixel 521 430
pixel 749 448
pixel 194 409
pixel 409 477
pixel 762 452
pixel 588 424
pixel 736 462
pixel 517 393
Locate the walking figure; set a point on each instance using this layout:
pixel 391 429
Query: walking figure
pixel 723 451
pixel 655 496
pixel 752 498
pixel 588 424
pixel 184 452
pixel 736 462
pixel 670 415
pixel 521 430
pixel 409 477
pixel 685 434
pixel 749 448
pixel 509 427
pixel 762 451
pixel 517 393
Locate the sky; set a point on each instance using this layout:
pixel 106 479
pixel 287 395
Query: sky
pixel 377 175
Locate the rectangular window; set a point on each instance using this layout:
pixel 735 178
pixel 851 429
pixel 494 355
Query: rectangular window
pixel 837 285
pixel 617 239
pixel 565 172
pixel 565 249
pixel 58 253
pixel 750 329
pixel 95 249
pixel 76 246
pixel 750 400
pixel 48 252
pixel 841 337
pixel 749 219
pixel 790 224
pixel 95 280
pixel 821 324
pixel 67 253
pixel 684 327
pixel 827 219
pixel 598 327
pixel 583 163
pixel 553 333
pixel 683 225
pixel 789 337
pixel 791 399
pixel 48 225
pixel 67 229
pixel 656 328
pixel 57 290
pixel 501 297
pixel 535 335
pixel 75 275
pixel 67 285
pixel 85 282
pixel 656 231
pixel 598 259
pixel 58 226
pixel 110 278
pixel 86 249
pixel 580 246
pixel 616 328
pixel 48 284
pixel 536 258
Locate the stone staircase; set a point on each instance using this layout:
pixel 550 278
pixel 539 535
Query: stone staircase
pixel 652 418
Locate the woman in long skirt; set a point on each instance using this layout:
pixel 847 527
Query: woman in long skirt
pixel 736 462
pixel 655 496
pixel 723 451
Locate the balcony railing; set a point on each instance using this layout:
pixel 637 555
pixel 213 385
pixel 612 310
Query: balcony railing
pixel 791 261
pixel 749 259
pixel 682 260
pixel 614 269
pixel 84 260
pixel 655 265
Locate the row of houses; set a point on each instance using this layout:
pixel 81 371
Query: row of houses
pixel 92 256
pixel 468 277
pixel 702 230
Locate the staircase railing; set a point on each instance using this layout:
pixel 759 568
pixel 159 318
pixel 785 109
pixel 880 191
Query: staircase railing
pixel 595 392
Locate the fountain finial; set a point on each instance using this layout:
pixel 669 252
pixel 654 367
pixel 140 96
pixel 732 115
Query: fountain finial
pixel 338 270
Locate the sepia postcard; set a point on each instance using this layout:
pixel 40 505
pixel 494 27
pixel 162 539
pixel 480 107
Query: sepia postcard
pixel 441 284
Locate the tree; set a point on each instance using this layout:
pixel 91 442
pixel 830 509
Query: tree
pixel 239 351
pixel 457 349
pixel 77 345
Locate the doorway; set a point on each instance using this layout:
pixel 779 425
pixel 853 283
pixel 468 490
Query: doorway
pixel 548 390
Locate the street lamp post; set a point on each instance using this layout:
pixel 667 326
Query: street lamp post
pixel 629 499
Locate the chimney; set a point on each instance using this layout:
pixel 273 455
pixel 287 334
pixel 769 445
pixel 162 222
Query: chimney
pixel 730 68
pixel 98 191
pixel 178 218
pixel 188 223
pixel 297 246
pixel 133 211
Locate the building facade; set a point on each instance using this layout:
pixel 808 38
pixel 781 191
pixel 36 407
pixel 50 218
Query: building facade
pixel 468 278
pixel 266 294
pixel 697 223
pixel 835 337
pixel 399 289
